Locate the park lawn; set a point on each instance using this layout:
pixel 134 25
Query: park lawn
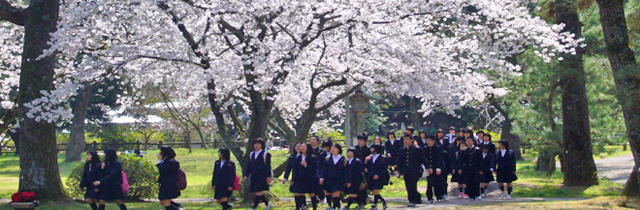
pixel 153 206
pixel 198 166
pixel 605 202
pixel 611 151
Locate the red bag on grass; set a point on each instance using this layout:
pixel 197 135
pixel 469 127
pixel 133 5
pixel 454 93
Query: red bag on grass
pixel 23 197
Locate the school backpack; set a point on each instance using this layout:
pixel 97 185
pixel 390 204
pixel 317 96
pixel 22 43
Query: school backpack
pixel 236 183
pixel 182 180
pixel 23 197
pixel 125 183
pixel 363 184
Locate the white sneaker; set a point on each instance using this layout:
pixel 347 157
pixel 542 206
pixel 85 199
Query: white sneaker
pixel 508 197
pixel 484 195
pixel 502 195
pixel 268 207
pixel 324 201
pixel 411 205
pixel 479 198
pixel 446 198
pixel 328 208
pixel 460 195
pixel 430 201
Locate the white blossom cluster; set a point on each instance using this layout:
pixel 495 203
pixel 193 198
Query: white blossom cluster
pixel 437 50
pixel 11 37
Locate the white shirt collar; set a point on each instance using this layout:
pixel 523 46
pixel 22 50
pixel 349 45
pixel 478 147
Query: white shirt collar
pixel 486 142
pixel 256 153
pixel 484 155
pixel 222 163
pixel 336 158
pixel 350 160
pixel 503 151
pixel 373 159
pixel 303 157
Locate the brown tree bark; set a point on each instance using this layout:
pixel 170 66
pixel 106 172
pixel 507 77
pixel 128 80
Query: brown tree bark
pixel 626 73
pixel 632 187
pixel 507 125
pixel 578 165
pixel 77 142
pixel 38 157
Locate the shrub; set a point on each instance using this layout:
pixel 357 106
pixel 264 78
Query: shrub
pixel 141 174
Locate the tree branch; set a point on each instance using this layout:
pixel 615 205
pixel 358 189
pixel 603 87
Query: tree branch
pixel 340 97
pixel 11 13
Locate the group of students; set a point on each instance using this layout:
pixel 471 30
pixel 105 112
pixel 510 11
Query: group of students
pixel 102 182
pixel 318 170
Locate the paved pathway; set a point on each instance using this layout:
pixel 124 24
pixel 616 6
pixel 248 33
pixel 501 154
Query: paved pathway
pixel 616 169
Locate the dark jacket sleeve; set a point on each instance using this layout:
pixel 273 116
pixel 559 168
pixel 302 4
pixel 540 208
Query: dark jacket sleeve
pixel 439 159
pixel 492 161
pixel 512 160
pixel 247 171
pixel 216 173
pixel 230 175
pixel 115 171
pixel 323 173
pixel 268 163
pixel 423 157
pixel 85 173
pixel 347 171
pixel 381 169
pixel 400 162
pixel 290 163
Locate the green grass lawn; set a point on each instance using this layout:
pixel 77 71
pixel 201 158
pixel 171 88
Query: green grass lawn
pixel 198 166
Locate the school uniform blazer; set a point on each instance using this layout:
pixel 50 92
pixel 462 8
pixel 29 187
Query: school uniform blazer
pixel 434 157
pixel 257 166
pixel 310 172
pixel 290 164
pixel 334 170
pixel 422 142
pixel 317 151
pixel 379 167
pixel 362 152
pixel 111 175
pixel 168 171
pixel 394 148
pixel 410 160
pixel 461 158
pixel 90 174
pixel 444 143
pixel 474 163
pixel 355 168
pixel 491 146
pixel 322 159
pixel 489 162
pixel 506 163
pixel 224 176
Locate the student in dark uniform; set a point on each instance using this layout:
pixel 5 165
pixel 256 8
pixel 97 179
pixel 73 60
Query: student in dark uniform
pixel 90 174
pixel 460 156
pixel 441 139
pixel 409 130
pixel 471 170
pixel 479 136
pixel 317 151
pixel 168 179
pixel 259 169
pixel 110 183
pixel 292 159
pixel 224 175
pixel 489 163
pixel 410 161
pixel 452 135
pixel 363 151
pixel 377 175
pixel 486 142
pixel 306 179
pixel 461 132
pixel 434 166
pixel 356 169
pixel 326 152
pixel 444 143
pixel 505 168
pixel 392 146
pixel 334 175
pixel 316 144
pixel 422 139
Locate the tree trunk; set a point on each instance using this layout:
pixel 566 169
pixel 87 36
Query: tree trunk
pixel 415 116
pixel 38 157
pixel 506 135
pixel 632 187
pixel 15 135
pixel 546 162
pixel 625 71
pixel 76 144
pixel 579 167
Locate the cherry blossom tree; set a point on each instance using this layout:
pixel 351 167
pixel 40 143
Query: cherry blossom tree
pixel 298 57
